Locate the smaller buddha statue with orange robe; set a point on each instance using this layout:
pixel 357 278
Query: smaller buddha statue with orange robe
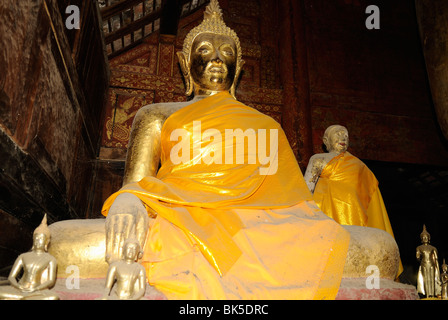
pixel 343 187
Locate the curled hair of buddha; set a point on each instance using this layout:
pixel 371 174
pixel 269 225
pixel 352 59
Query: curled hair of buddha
pixel 213 23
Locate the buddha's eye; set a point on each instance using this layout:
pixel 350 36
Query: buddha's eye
pixel 204 50
pixel 227 50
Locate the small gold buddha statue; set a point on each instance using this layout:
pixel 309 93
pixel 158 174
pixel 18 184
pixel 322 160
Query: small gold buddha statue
pixel 444 280
pixel 36 269
pixel 428 276
pixel 126 278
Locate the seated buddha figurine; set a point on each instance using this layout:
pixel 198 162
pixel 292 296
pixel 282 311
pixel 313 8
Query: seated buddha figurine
pixel 343 187
pixel 33 273
pixel 228 214
pixel 126 278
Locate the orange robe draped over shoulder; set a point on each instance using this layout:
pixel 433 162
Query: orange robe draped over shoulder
pixel 223 230
pixel 348 192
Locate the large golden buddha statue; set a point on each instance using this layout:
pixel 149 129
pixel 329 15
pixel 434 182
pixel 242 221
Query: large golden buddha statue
pixel 228 214
pixel 214 194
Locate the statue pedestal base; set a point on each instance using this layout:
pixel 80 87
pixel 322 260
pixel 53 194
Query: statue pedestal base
pixel 92 289
pixel 351 289
pixel 357 289
pixel 81 243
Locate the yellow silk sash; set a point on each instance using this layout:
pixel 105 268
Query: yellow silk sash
pixel 198 196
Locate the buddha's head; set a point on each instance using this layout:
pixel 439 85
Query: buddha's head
pixel 211 59
pixel 336 139
pixel 424 236
pixel 41 236
pixel 131 249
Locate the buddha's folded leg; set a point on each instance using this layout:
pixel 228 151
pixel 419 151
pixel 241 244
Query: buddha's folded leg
pixel 286 254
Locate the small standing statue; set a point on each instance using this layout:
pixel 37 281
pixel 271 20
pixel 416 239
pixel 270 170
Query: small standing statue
pixel 39 271
pixel 444 279
pixel 127 274
pixel 428 277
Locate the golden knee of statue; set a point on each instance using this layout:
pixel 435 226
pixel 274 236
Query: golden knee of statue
pixel 216 220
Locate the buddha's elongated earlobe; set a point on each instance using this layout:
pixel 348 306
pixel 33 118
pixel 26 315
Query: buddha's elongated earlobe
pixel 325 142
pixel 186 73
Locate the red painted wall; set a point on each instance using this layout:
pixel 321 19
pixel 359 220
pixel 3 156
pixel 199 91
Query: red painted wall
pixel 372 81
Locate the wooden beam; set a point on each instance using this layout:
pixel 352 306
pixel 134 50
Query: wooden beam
pixel 124 49
pixel 134 26
pixel 118 7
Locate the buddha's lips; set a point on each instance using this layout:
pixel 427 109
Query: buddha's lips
pixel 216 70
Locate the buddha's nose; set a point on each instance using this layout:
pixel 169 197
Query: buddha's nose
pixel 217 61
pixel 216 58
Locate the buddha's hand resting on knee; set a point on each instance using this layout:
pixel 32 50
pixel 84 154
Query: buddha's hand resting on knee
pixel 127 217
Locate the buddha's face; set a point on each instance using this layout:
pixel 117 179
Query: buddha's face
pixel 338 141
pixel 131 250
pixel 213 63
pixel 425 238
pixel 39 241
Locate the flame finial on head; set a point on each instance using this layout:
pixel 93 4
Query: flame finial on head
pixel 213 10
